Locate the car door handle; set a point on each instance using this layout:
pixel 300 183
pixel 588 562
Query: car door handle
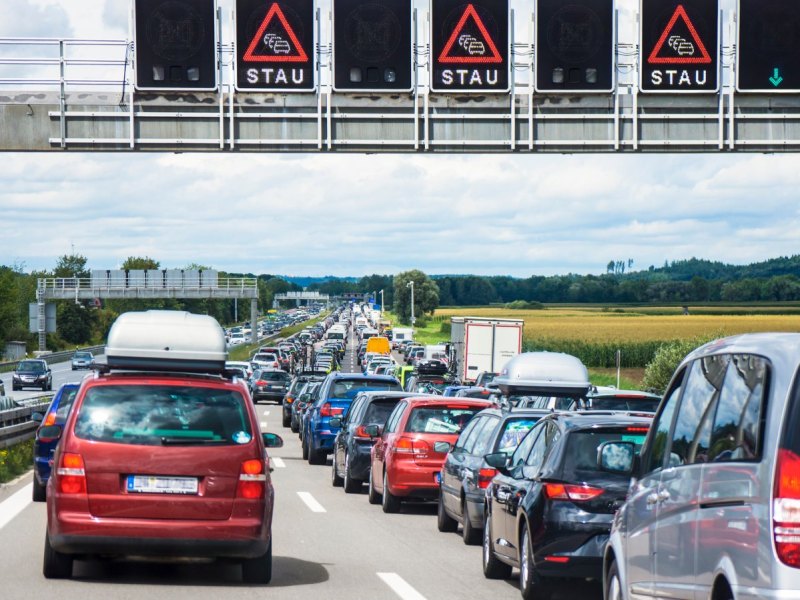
pixel 663 496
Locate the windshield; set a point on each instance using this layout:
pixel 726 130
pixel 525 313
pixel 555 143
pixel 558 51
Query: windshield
pixel 154 415
pixel 82 355
pixel 439 419
pixel 349 388
pixel 30 365
pixel 275 375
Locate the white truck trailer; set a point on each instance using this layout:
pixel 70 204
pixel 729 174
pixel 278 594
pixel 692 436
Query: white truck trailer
pixel 483 344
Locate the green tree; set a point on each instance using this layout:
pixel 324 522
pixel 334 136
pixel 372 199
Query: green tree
pixel 75 322
pixel 141 263
pixel 426 294
pixel 71 265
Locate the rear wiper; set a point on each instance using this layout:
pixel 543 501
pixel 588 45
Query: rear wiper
pixel 182 441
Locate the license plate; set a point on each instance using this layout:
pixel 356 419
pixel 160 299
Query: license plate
pixel 437 477
pixel 148 484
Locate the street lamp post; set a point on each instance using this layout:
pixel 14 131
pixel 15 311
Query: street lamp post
pixel 411 285
pixel 381 304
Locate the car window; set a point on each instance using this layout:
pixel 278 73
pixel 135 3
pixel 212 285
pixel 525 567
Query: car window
pixel 354 411
pixel 653 458
pixel 391 423
pixel 275 376
pixel 513 432
pixel 580 452
pixel 65 404
pixel 31 365
pixel 536 456
pixel 462 440
pixel 163 415
pixel 691 434
pixel 348 388
pixel 524 448
pixel 439 419
pixel 484 437
pixel 378 412
pixel 616 403
pixel 736 432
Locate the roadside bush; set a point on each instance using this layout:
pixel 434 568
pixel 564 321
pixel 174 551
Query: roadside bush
pixel 525 305
pixel 445 327
pixel 14 461
pixel 669 355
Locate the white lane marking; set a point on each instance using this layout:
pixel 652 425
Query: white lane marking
pixel 263 424
pixel 311 502
pixel 400 586
pixel 15 504
pixel 266 413
pixel 278 462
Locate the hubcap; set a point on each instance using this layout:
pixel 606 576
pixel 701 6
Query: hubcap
pixel 614 591
pixel 524 567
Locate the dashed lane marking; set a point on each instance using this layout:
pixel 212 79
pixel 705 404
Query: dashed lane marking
pixel 15 504
pixel 278 462
pixel 400 586
pixel 311 502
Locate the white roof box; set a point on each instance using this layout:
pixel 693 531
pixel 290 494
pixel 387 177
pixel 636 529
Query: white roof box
pixel 544 373
pixel 166 340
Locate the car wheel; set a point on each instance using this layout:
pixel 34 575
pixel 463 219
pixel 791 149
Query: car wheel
pixel 286 420
pixel 258 569
pixel 336 481
pixel 351 486
pixel 493 568
pixel 55 564
pixel 470 534
pixel 374 497
pixel 305 450
pixel 389 502
pixel 39 491
pixel 316 457
pixel 530 583
pixel 613 589
pixel 294 427
pixel 14 388
pixel 444 522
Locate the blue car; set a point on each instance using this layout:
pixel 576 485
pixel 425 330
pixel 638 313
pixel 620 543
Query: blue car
pixel 335 396
pixel 43 448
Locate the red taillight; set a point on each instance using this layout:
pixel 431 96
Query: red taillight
pixel 786 508
pixel 361 433
pixel 72 474
pixel 326 410
pixel 485 477
pixel 637 429
pixel 556 559
pixel 576 493
pixel 289 399
pixel 261 382
pixel 50 419
pixel 252 480
pixel 410 446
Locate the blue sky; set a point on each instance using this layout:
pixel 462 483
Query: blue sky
pixel 357 214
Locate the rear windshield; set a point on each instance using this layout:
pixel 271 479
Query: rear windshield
pixel 275 375
pixel 641 404
pixel 580 454
pixel 513 432
pixel 378 412
pixel 155 415
pixel 65 404
pixel 440 419
pixel 349 388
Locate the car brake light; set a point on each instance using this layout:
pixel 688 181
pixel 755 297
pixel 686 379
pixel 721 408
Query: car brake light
pixel 556 559
pixel 576 493
pixel 786 508
pixel 261 382
pixel 485 477
pixel 326 410
pixel 409 446
pixel 252 480
pixel 637 429
pixel 72 474
pixel 361 433
pixel 289 399
pixel 50 419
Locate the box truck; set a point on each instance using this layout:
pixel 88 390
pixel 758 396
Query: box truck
pixel 483 344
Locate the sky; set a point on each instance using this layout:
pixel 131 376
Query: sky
pixel 358 214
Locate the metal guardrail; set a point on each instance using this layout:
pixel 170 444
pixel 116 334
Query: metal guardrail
pixel 15 423
pixel 54 357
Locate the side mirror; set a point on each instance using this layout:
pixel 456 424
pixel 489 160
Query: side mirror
pixel 441 447
pixel 48 434
pixel 37 417
pixel 616 457
pixel 498 460
pixel 335 422
pixel 373 431
pixel 272 440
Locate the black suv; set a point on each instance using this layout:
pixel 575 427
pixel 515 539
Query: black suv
pixel 550 508
pixel 466 475
pixel 32 373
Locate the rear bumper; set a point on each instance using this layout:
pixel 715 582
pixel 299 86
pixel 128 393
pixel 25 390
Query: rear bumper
pixel 322 440
pixel 360 462
pixel 584 562
pixel 269 395
pixel 413 481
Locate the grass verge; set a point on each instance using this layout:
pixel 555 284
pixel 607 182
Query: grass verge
pixel 16 460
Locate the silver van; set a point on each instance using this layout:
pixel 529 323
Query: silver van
pixel 713 511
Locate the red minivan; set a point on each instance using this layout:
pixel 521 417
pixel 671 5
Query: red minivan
pixel 161 464
pixel 406 462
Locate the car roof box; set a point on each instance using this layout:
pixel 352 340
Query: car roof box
pixel 544 373
pixel 166 340
pixel 431 367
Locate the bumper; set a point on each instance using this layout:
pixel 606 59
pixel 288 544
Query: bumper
pixel 323 440
pixel 412 481
pixel 475 507
pixel 360 462
pixel 269 395
pixel 585 562
pixel 162 547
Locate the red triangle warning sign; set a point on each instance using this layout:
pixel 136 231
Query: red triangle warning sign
pixel 275 40
pixel 679 44
pixel 470 42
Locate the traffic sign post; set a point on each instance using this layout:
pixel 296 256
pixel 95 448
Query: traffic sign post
pixel 372 47
pixel 275 44
pixel 768 46
pixel 175 45
pixel 574 46
pixel 470 47
pixel 679 44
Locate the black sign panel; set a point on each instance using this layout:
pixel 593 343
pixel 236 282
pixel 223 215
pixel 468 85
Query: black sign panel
pixel 769 46
pixel 275 45
pixel 679 46
pixel 372 45
pixel 176 44
pixel 469 46
pixel 574 45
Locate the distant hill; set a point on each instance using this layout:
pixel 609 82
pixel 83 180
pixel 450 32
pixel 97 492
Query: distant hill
pixel 685 270
pixel 304 282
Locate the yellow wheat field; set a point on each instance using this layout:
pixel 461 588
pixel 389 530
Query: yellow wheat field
pixel 593 324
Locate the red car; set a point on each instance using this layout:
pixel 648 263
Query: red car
pixel 160 464
pixel 405 460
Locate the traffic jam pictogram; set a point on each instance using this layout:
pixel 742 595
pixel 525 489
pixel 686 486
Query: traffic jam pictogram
pixel 680 46
pixel 470 46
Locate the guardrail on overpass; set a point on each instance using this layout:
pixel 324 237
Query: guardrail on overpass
pixel 15 419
